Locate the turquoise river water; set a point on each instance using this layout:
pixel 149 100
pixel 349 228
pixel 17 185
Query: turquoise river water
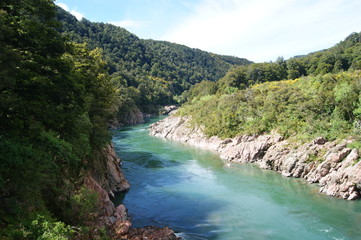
pixel 200 196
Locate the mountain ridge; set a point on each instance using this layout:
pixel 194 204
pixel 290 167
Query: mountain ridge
pixel 131 54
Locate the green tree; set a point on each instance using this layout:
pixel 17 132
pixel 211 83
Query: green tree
pixel 55 102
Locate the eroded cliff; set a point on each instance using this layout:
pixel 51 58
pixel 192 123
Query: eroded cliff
pixel 105 180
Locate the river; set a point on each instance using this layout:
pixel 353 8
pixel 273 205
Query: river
pixel 200 196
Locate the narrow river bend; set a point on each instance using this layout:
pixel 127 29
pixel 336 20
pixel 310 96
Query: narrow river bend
pixel 200 196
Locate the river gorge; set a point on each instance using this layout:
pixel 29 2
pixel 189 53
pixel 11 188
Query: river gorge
pixel 201 196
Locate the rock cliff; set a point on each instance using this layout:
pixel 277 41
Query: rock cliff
pixel 106 171
pixel 332 165
pixel 133 117
pixel 104 180
pixel 136 116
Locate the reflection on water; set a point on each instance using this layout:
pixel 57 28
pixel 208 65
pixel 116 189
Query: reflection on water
pixel 201 197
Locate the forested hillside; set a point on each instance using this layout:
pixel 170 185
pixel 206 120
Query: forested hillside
pixel 148 72
pixel 56 99
pixel 308 96
pixel 344 56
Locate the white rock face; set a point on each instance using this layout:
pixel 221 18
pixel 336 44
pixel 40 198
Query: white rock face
pixel 330 164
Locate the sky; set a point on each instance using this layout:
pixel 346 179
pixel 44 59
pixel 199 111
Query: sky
pixel 259 30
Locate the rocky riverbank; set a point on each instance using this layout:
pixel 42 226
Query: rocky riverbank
pixel 332 165
pixel 105 180
pixel 135 116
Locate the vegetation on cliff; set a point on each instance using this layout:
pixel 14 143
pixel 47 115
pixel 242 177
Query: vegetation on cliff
pixel 56 100
pixel 326 105
pixel 320 98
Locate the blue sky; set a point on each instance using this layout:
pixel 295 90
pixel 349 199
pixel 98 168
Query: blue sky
pixel 259 30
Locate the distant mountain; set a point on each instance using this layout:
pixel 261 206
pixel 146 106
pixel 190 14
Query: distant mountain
pixel 134 58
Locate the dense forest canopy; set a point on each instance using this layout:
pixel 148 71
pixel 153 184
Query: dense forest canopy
pixel 152 71
pixel 56 100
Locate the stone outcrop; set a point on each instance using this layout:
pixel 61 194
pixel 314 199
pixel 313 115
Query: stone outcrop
pixel 136 116
pixel 107 172
pixel 115 178
pixel 108 216
pixel 167 109
pixel 152 233
pixel 106 179
pixel 133 117
pixel 332 165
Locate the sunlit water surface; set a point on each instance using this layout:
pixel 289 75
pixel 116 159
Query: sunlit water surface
pixel 200 196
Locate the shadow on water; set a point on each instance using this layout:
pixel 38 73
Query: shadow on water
pixel 119 198
pixel 146 159
pixel 183 212
pixel 158 195
pixel 155 197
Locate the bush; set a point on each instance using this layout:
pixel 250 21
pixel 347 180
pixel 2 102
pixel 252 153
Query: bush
pixel 44 228
pixel 314 106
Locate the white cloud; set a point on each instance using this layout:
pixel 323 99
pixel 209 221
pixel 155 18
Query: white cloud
pixel 77 14
pixel 128 23
pixel 74 12
pixel 262 30
pixel 63 6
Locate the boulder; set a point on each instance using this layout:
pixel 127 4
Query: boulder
pixel 152 233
